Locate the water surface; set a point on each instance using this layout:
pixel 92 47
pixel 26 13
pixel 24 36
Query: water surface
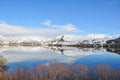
pixel 32 56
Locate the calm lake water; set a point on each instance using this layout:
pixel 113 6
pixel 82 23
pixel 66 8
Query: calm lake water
pixel 32 56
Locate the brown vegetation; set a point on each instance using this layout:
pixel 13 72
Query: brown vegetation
pixel 58 71
pixel 3 62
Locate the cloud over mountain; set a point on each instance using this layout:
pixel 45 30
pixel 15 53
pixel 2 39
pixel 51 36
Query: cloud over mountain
pixel 49 31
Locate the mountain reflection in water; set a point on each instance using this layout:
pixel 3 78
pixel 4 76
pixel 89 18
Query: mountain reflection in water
pixel 70 51
pixel 46 54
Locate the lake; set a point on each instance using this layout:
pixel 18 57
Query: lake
pixel 32 56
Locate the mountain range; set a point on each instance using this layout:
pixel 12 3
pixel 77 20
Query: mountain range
pixel 4 40
pixel 61 40
pixel 76 39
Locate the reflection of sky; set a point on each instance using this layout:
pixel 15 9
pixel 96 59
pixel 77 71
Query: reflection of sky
pixel 35 55
pixel 109 58
pixel 31 54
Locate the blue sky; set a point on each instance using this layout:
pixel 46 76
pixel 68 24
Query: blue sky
pixel 88 16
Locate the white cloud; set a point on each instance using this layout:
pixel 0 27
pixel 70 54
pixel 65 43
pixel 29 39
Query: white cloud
pixel 52 30
pixel 66 27
pixel 99 36
pixel 47 22
pixel 2 22
pixel 69 27
pixel 15 31
pixel 116 35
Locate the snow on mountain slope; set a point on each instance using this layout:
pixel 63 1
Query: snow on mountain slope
pixel 26 40
pixel 75 39
pixel 86 37
pixel 4 40
pixel 62 40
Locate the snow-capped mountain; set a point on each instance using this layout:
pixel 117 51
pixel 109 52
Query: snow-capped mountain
pixel 26 40
pixel 4 40
pixel 75 39
pixel 61 40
